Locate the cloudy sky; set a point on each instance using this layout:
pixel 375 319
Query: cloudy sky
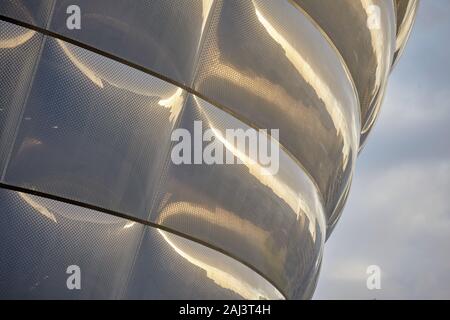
pixel 398 212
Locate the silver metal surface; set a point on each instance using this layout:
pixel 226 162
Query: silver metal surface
pixel 162 35
pixel 367 52
pixel 273 222
pixel 19 49
pixel 86 119
pixel 35 12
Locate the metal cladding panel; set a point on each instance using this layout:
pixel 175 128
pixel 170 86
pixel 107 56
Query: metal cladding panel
pixel 273 222
pixel 97 132
pixel 366 48
pixel 19 49
pixel 118 258
pixel 257 63
pixel 41 238
pixel 336 215
pixel 406 15
pixel 93 130
pixel 162 35
pixel 35 12
pixel 185 269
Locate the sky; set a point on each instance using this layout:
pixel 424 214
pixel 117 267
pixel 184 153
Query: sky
pixel 398 213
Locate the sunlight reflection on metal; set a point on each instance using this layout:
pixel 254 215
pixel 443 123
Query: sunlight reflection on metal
pixel 406 16
pixel 38 207
pixel 216 273
pixel 17 40
pixel 314 79
pixel 129 225
pixel 293 198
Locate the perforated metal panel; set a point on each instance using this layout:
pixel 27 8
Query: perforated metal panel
pixel 406 15
pixel 163 35
pixel 117 258
pixel 94 130
pixel 271 66
pixel 41 238
pixel 185 269
pixel 19 51
pixel 368 51
pixel 35 12
pixel 273 222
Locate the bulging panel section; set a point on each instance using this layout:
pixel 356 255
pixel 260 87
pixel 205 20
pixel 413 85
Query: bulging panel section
pixel 268 64
pixel 216 189
pixel 161 35
pixel 367 44
pixel 93 130
pixel 169 266
pixel 54 250
pixel 406 15
pixel 34 12
pixel 51 250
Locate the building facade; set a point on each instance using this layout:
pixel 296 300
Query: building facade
pixel 91 92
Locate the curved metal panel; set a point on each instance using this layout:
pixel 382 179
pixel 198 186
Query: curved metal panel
pixel 406 14
pixel 34 12
pixel 273 222
pixel 117 258
pixel 93 130
pixel 76 125
pixel 336 215
pixel 267 63
pixel 161 35
pixel 19 50
pixel 368 51
pixel 406 11
pixel 41 238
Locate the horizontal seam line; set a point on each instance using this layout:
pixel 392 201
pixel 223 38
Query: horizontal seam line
pixel 173 82
pixel 143 222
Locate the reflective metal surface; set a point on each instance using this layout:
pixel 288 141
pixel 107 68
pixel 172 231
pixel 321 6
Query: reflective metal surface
pixel 336 215
pixel 93 130
pixel 87 117
pixel 163 35
pixel 279 77
pixel 117 258
pixel 185 269
pixel 35 12
pixel 19 49
pixel 367 52
pixel 406 14
pixel 273 222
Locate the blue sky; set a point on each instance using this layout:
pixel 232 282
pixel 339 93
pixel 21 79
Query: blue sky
pixel 398 212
